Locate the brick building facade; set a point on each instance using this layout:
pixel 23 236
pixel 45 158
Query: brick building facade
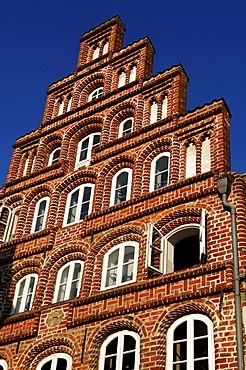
pixel 115 248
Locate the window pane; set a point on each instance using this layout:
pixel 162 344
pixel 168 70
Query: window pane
pixel 64 275
pixel 200 328
pixel 181 331
pixel 61 364
pixel 128 361
pixel 96 140
pixel 73 207
pixel 111 277
pixel 84 210
pixel 74 289
pixel 20 293
pixel 201 365
pixel 28 302
pixel 112 347
pixel 180 351
pixel 113 258
pixel 122 179
pixel 77 269
pixel 127 127
pixel 201 348
pixel 110 363
pixel 41 209
pixel 180 366
pixel 120 195
pixel 46 366
pixel 127 272
pixel 129 343
pixel 129 254
pixel 162 164
pixel 18 303
pixel 61 293
pixel 87 194
pixel 84 150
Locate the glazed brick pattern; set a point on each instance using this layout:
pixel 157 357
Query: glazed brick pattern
pixel 149 305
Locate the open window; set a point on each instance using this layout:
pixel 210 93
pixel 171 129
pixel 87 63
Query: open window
pixel 120 351
pixel 79 204
pixel 190 343
pixel 24 293
pixel 57 361
pixel 3 365
pixel 85 148
pixel 180 249
pixel 120 265
pixel 68 281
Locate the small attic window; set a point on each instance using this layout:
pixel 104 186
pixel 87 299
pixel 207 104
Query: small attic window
pixel 96 52
pixel 105 48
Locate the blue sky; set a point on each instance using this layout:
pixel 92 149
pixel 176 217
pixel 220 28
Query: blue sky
pixel 40 41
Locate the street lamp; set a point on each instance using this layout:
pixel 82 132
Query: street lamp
pixel 224 187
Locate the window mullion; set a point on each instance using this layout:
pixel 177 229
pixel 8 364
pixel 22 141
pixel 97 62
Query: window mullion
pixel 120 264
pixel 120 351
pixel 69 279
pixel 79 206
pixel 24 294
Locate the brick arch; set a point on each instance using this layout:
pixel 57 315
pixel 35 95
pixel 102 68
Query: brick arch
pixel 77 133
pixel 143 163
pixel 131 323
pixel 47 346
pixel 59 197
pixel 28 207
pixel 171 218
pixel 13 201
pixel 51 268
pixel 82 91
pixel 46 146
pixel 105 178
pixel 115 116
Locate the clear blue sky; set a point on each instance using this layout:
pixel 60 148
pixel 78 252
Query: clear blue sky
pixel 39 45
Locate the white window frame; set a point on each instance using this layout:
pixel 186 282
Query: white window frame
pixel 78 208
pixel 121 126
pixel 25 293
pixel 96 52
pixel 153 170
pixel 5 224
pixel 86 162
pixel 51 157
pixel 120 265
pixel 166 249
pixel 4 364
pixel 128 186
pixel 35 217
pixel 54 359
pixel 190 341
pixel 95 94
pixel 12 224
pixel 71 265
pixel 105 48
pixel 119 355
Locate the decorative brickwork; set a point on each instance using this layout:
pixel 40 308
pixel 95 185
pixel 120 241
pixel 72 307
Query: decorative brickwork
pixel 170 160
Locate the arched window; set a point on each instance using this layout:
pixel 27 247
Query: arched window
pixel 8 223
pixel 96 52
pixel 120 351
pixel 126 126
pixel 181 248
pixel 24 293
pixel 164 107
pixel 57 361
pixel 120 265
pixel 153 111
pixel 190 159
pixel 40 215
pixel 68 281
pixel 133 74
pixel 121 186
pixel 105 48
pixel 159 175
pixel 122 79
pixel 85 148
pixel 190 343
pixel 54 156
pixel 205 158
pixel 61 107
pixel 3 365
pixel 95 94
pixel 79 204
